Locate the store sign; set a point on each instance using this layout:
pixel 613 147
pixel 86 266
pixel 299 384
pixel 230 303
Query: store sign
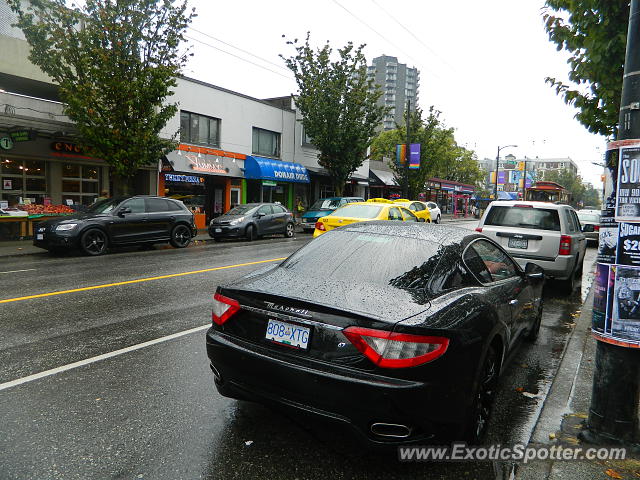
pixel 7 184
pixel 22 135
pixel 207 165
pixel 6 143
pixel 171 177
pixel 67 147
pixel 269 183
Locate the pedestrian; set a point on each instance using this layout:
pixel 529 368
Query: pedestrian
pixel 104 195
pixel 299 208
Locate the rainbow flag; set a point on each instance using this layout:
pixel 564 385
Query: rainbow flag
pixel 401 154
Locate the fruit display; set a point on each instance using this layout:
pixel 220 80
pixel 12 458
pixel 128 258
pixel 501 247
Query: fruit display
pixel 46 209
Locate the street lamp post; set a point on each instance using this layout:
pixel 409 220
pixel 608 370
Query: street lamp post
pixel 495 188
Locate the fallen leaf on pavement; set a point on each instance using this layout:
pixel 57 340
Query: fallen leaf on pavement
pixel 552 436
pixel 519 389
pixel 612 473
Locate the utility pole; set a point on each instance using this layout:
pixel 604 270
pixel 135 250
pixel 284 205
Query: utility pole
pixel 524 180
pixel 495 188
pixel 405 187
pixel 613 414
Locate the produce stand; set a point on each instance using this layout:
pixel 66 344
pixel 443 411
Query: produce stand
pixel 21 228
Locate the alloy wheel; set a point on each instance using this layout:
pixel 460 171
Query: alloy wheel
pixel 289 231
pixel 94 242
pixel 181 236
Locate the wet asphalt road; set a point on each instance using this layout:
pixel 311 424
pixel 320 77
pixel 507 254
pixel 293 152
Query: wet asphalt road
pixel 154 413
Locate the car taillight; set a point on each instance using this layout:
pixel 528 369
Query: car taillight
pixel 396 350
pixel 479 229
pixel 596 228
pixel 223 308
pixel 320 226
pixel 565 245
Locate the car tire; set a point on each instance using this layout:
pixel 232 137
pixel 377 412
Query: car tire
pixel 532 334
pixel 438 219
pixel 569 285
pixel 94 242
pixel 180 236
pixel 250 233
pixel 480 412
pixel 289 231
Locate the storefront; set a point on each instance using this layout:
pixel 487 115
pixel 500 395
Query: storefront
pixel 454 197
pixel 382 184
pixel 270 180
pixel 208 181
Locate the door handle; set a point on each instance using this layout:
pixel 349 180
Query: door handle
pixel 513 302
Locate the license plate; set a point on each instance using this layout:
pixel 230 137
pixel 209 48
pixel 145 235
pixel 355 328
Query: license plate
pixel 519 243
pixel 39 236
pixel 217 230
pixel 288 334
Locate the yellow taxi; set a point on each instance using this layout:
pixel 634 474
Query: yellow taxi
pixel 419 209
pixel 363 212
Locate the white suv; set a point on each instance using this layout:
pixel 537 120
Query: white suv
pixel 546 234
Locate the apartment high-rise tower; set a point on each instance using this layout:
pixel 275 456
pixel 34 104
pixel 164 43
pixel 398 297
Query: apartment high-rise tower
pixel 399 83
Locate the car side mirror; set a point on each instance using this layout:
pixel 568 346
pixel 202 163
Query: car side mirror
pixel 123 210
pixel 534 271
pixel 260 215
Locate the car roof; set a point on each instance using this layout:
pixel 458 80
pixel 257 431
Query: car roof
pixel 441 234
pixel 511 203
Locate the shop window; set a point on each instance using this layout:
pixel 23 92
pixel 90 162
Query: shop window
pixel 199 129
pixel 80 184
pixel 266 142
pixel 327 191
pixel 23 181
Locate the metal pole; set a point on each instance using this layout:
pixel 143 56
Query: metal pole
pixel 405 188
pixel 613 415
pixel 524 180
pixel 495 188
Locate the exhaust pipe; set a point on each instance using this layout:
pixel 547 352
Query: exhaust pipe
pixel 216 374
pixel 390 430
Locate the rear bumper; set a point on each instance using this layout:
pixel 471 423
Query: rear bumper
pixel 559 268
pixel 431 409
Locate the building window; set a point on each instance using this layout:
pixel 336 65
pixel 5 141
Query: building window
pixel 80 183
pixel 306 139
pixel 266 142
pixel 199 129
pixel 23 180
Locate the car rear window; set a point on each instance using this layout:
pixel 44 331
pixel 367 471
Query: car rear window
pixel 342 256
pixel 587 217
pixel 357 211
pixel 524 217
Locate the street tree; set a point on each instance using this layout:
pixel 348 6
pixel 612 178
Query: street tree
pixel 594 33
pixel 338 105
pixel 115 63
pixel 440 155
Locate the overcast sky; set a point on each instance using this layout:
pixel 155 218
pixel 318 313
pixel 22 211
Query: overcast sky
pixel 482 63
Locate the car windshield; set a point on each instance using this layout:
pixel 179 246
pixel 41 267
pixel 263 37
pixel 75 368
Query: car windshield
pixel 326 204
pixel 524 217
pixel 104 206
pixel 341 256
pixel 241 210
pixel 357 211
pixel 589 217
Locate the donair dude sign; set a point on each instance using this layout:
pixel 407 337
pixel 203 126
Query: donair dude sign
pixel 628 199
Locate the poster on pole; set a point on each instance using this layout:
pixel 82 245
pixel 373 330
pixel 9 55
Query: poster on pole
pixel 628 244
pixel 600 289
pixel 628 187
pixel 608 237
pixel 625 319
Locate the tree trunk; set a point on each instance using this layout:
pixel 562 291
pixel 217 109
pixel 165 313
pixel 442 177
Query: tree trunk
pixel 339 188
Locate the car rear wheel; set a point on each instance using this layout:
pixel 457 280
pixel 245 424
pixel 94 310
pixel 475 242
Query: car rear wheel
pixel 289 231
pixel 485 394
pixel 570 284
pixel 93 242
pixel 251 233
pixel 180 236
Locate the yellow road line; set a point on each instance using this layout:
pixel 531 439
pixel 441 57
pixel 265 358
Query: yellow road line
pixel 139 280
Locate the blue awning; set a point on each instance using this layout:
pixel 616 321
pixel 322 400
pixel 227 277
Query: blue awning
pixel 259 168
pixel 507 195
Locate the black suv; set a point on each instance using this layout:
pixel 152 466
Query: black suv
pixel 119 221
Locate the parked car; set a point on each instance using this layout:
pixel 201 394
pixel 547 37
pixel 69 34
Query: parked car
pixel 420 209
pixel 119 221
pixel 322 207
pixel 251 221
pixel 544 233
pixel 590 221
pixel 364 212
pixel 434 210
pixel 409 351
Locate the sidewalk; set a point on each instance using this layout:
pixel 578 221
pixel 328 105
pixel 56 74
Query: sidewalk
pixel 565 411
